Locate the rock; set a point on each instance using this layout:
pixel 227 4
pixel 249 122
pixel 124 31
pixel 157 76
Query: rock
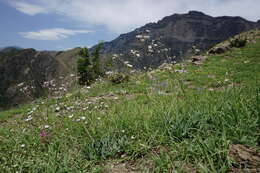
pixel 247 158
pixel 198 60
pixel 219 49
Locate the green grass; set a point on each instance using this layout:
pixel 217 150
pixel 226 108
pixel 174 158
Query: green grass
pixel 161 121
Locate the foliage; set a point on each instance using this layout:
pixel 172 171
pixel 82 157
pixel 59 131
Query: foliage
pixel 96 60
pixel 238 42
pixel 89 68
pixel 118 78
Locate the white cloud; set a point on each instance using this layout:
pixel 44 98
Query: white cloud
pixel 52 34
pixel 29 9
pixel 125 15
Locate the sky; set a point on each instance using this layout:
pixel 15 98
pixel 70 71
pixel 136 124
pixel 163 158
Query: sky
pixel 65 24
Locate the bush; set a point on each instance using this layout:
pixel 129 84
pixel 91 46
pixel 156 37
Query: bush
pixel 238 42
pixel 118 78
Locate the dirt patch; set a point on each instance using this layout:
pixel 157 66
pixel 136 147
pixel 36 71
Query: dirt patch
pixel 121 168
pixel 112 97
pixel 247 159
pixel 106 97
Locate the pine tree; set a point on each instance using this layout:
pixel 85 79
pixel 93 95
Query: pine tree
pixel 96 60
pixel 84 68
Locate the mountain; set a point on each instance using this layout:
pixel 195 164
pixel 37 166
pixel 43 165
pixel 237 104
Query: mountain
pixel 10 49
pixel 172 38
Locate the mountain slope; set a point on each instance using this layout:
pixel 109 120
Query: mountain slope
pixel 172 38
pixel 178 118
pixel 28 68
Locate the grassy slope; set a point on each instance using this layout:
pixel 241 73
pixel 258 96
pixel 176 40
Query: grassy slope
pixel 160 121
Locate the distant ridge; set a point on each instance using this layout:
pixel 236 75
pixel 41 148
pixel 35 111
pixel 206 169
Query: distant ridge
pixel 172 38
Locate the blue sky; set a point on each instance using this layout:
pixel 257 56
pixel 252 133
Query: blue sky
pixel 64 24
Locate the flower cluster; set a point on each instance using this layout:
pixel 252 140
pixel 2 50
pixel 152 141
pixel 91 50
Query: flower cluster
pixel 26 89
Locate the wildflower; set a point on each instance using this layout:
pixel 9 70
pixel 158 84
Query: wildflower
pixel 132 137
pixel 83 118
pixel 29 118
pixel 99 118
pixel 226 80
pixel 44 136
pixel 20 84
pixel 129 65
pixel 123 131
pixel 46 126
pixel 109 73
pixel 71 116
pixel 57 109
pixel 23 145
pixel 78 120
pixel 29 113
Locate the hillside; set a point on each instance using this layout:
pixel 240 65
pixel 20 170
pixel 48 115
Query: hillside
pixel 196 116
pixel 173 38
pixel 24 69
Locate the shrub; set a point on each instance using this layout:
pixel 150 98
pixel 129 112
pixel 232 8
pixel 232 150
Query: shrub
pixel 118 78
pixel 238 42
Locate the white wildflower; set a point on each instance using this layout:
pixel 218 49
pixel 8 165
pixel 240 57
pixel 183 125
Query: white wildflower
pixel 20 84
pixel 83 118
pixel 29 118
pixel 129 65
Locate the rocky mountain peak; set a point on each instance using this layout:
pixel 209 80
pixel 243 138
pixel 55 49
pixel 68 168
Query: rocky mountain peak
pixel 173 38
pixel 196 13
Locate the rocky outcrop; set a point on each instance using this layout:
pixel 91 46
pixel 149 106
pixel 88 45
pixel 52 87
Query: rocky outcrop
pixel 172 39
